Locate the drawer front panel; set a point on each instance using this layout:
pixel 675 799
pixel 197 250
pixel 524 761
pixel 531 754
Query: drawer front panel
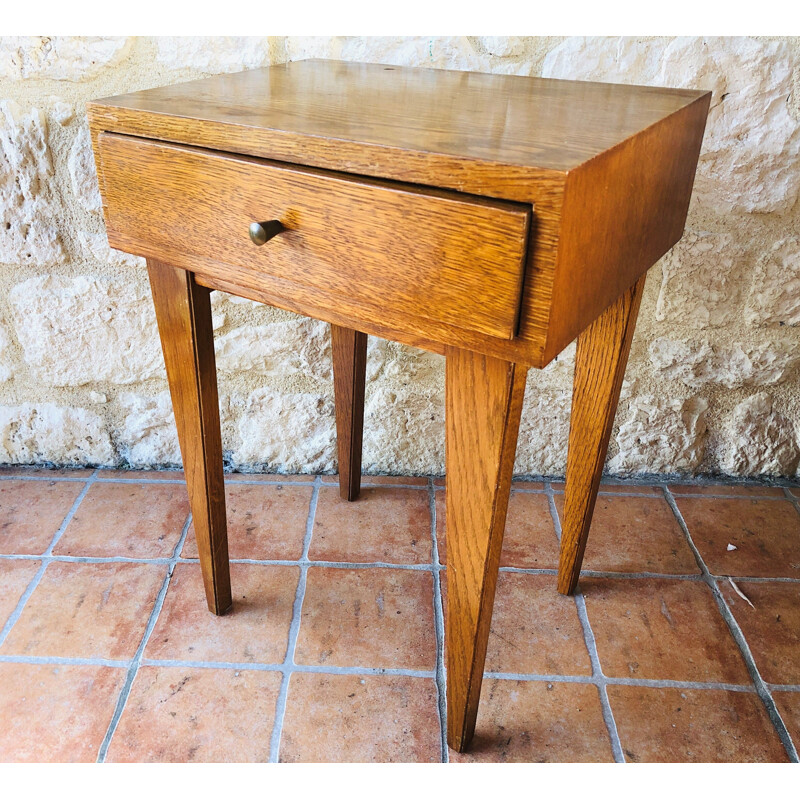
pixel 433 255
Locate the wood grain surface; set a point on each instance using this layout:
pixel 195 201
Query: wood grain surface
pixel 622 211
pixel 491 218
pixel 607 168
pixel 432 254
pixel 600 361
pixel 183 312
pixel 304 111
pixel 483 398
pixel 349 355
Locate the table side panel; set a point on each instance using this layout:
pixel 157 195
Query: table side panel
pixel 431 254
pixel 622 211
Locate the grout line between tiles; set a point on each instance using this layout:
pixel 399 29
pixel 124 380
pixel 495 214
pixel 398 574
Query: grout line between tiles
pixel 438 674
pixel 70 661
pixel 256 666
pixel 287 669
pixel 599 679
pixel 762 689
pixel 422 567
pixel 795 501
pixel 425 567
pixel 88 559
pixel 46 558
pixel 133 668
pixel 294 628
pixel 438 622
pixel 45 478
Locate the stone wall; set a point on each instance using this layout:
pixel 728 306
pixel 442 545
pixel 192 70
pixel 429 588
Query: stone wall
pixel 712 384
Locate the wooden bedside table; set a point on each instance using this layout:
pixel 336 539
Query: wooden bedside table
pixel 490 218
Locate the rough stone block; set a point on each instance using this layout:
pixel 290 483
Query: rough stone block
pixel 699 363
pixel 661 434
pixel 700 282
pixel 404 429
pixel 83 174
pixel 298 346
pixel 149 432
pixel 61 112
pixel 285 432
pixel 61 58
pixel 28 213
pixel 774 297
pixel 5 360
pixel 213 53
pixel 35 433
pixel 96 246
pixel 75 331
pixel 543 431
pixel 760 440
pixel 751 141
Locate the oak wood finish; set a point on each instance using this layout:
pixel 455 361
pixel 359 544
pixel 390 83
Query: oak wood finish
pixel 183 312
pixel 429 254
pixel 563 147
pixel 600 360
pixel 491 218
pixel 483 397
pixel 349 354
pixel 622 211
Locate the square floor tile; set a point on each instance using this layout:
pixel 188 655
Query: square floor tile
pixel 529 541
pixel 264 522
pixel 87 611
pixel 56 712
pixel 533 721
pixel 661 629
pixel 141 475
pixel 31 512
pixel 772 628
pixel 527 486
pixel 726 489
pixel 23 471
pixel 535 630
pixel 618 488
pixel 382 480
pixel 256 630
pixel 267 477
pixel 385 524
pixel 788 704
pixel 693 725
pixel 374 617
pixel 765 533
pixel 14 579
pixel 128 520
pixel 360 718
pixel 180 714
pixel 635 534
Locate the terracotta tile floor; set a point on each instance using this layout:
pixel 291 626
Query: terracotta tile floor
pixel 334 650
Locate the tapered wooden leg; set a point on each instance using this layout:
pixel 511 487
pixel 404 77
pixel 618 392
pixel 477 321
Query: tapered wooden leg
pixel 600 361
pixel 483 404
pixel 349 352
pixel 183 311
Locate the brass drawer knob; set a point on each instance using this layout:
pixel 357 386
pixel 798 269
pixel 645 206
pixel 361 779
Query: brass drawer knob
pixel 262 232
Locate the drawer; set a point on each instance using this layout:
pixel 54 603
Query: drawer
pixel 433 255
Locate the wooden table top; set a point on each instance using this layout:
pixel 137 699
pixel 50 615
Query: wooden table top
pixel 605 169
pixel 315 107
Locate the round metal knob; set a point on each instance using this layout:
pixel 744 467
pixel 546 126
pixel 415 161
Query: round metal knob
pixel 262 232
